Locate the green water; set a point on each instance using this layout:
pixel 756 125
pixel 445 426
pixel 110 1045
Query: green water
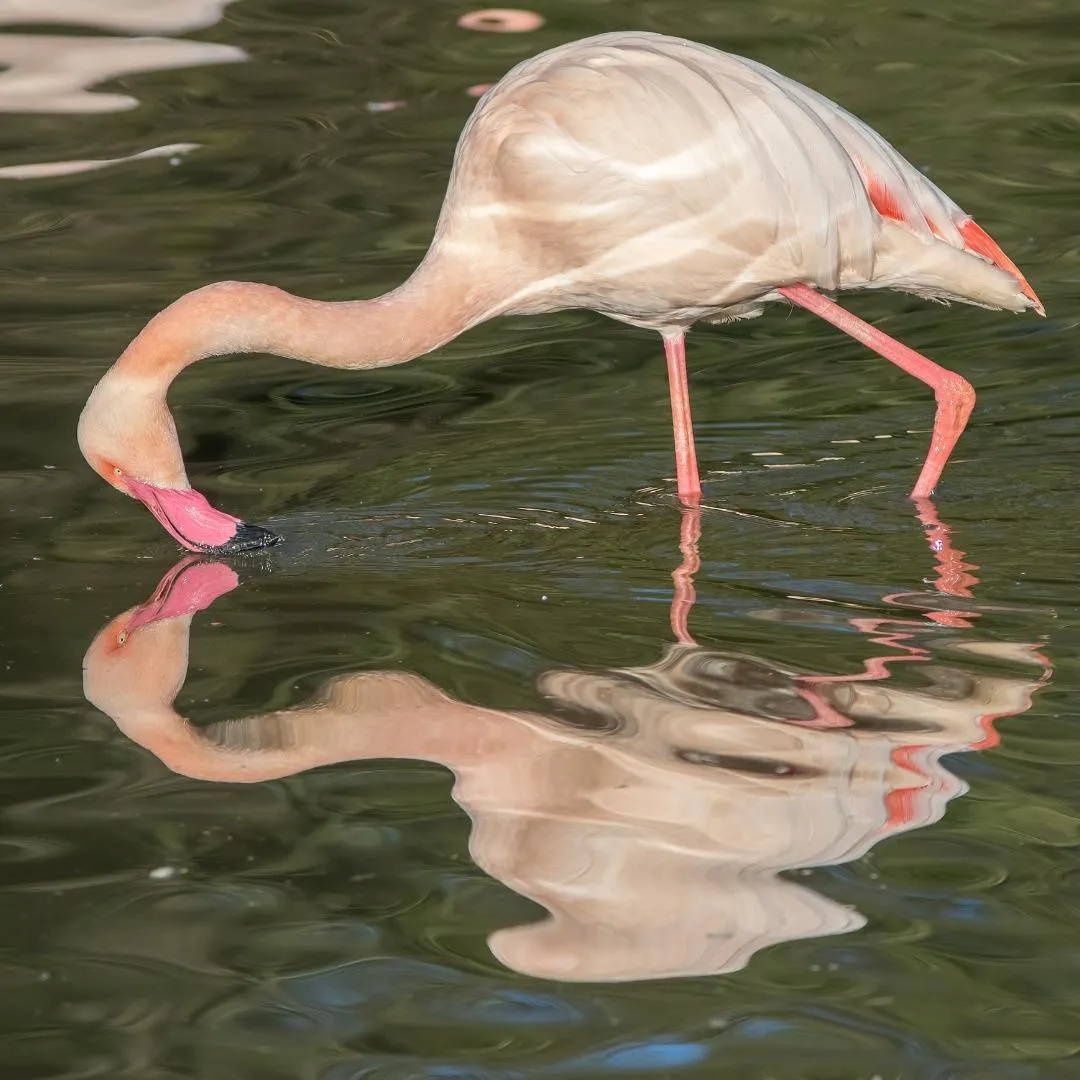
pixel 498 824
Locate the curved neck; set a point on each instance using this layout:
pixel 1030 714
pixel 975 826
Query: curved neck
pixel 432 307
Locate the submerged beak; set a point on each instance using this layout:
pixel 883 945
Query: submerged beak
pixel 190 520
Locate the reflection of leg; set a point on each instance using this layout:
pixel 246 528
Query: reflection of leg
pixel 683 599
pixel 953 576
pixel 953 579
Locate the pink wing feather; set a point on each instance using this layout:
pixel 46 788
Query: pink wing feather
pixel 896 188
pixel 705 179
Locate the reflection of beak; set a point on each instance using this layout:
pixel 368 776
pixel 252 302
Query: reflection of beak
pixel 190 520
pixel 190 586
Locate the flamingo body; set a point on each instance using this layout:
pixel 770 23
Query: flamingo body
pixel 658 181
pixel 663 182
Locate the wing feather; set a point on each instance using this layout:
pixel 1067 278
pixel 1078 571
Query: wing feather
pixel 650 177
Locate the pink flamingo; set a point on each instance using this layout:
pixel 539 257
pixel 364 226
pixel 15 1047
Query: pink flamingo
pixel 652 179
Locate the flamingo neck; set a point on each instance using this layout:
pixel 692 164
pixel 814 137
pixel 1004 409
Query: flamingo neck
pixel 425 312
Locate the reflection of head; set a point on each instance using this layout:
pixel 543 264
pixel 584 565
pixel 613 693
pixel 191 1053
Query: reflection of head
pixel 651 817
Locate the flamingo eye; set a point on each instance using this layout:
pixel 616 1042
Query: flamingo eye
pixel 121 637
pixel 117 470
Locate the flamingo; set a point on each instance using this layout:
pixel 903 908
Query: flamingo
pixel 652 179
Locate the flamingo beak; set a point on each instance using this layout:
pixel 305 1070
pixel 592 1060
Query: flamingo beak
pixel 190 520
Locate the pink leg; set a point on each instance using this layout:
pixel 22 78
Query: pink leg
pixel 954 394
pixel 685 456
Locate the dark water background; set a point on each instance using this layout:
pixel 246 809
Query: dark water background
pixel 480 545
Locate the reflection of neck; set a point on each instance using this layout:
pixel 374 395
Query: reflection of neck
pixel 361 717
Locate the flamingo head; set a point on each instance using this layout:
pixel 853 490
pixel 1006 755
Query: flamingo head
pixel 127 435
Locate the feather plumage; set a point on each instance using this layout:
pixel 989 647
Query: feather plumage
pixel 662 181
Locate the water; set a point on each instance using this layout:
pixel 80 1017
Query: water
pixel 498 822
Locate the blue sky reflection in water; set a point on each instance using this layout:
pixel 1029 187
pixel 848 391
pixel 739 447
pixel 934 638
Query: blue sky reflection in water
pixel 518 828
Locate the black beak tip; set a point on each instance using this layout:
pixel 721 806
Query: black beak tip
pixel 246 538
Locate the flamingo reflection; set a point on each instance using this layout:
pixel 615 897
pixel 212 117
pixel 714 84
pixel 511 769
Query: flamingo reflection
pixel 120 16
pixel 652 811
pixel 52 73
pixel 58 73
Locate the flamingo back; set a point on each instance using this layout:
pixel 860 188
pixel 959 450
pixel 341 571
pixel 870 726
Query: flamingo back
pixel 662 181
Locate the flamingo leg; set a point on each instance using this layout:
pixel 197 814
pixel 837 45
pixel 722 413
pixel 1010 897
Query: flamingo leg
pixel 685 456
pixel 953 393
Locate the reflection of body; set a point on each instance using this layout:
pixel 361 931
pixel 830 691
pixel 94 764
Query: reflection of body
pixel 653 818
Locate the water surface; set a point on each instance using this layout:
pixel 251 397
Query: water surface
pixel 461 781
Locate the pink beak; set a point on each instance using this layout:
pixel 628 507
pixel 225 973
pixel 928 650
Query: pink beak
pixel 190 520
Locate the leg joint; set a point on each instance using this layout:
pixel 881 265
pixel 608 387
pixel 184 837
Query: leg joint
pixel 955 389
